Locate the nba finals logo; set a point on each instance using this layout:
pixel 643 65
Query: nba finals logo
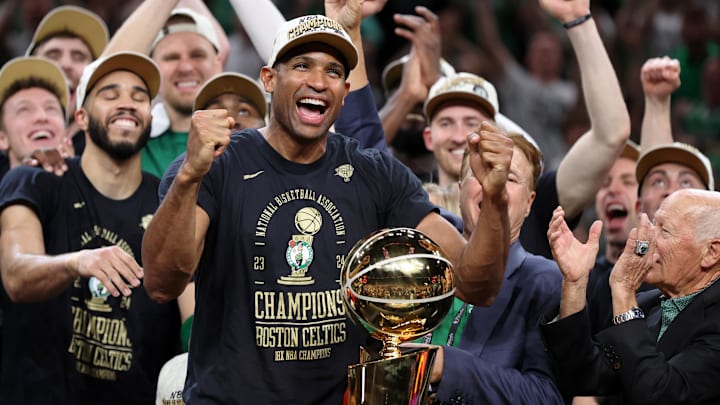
pixel 299 254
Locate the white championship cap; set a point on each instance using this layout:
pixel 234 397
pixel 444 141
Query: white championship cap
pixel 462 86
pixel 198 24
pixel 313 28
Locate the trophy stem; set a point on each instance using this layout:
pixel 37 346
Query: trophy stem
pixel 391 347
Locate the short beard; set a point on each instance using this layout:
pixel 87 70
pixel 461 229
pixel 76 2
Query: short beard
pixel 119 150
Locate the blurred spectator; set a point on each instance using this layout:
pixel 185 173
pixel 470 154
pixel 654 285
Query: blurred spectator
pixel 25 16
pixel 697 47
pixel 699 121
pixel 535 95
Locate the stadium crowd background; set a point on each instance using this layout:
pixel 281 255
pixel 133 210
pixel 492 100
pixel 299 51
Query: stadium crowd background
pixel 633 31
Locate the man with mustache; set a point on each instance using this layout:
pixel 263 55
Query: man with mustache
pixel 78 324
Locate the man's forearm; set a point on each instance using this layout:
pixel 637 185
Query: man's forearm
pixel 261 19
pixel 139 31
pixel 623 299
pixel 656 125
pixel 170 249
pixel 395 111
pixel 32 278
pixel 579 178
pixel 573 298
pixel 483 261
pixel 603 96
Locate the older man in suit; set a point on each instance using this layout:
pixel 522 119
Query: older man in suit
pixel 664 345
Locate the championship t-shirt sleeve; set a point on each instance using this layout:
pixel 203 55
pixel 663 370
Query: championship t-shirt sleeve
pixel 27 186
pixel 403 201
pixel 359 119
pixel 205 199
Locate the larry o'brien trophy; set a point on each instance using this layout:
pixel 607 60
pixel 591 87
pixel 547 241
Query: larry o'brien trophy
pixel 398 286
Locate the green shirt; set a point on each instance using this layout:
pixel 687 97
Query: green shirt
pixel 440 334
pixel 162 150
pixel 671 307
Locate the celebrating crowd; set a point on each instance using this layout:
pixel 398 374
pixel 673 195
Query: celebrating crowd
pixel 178 197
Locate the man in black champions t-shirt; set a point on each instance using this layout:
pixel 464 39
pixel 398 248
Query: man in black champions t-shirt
pixel 263 220
pixel 79 326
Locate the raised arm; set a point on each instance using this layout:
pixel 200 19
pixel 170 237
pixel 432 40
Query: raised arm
pixel 421 70
pixel 487 32
pixel 30 275
pixel 660 77
pixel 140 29
pixel 349 14
pixel 480 263
pixel 173 242
pixel 579 176
pixel 261 19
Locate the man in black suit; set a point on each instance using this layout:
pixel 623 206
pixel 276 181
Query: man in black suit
pixel 664 346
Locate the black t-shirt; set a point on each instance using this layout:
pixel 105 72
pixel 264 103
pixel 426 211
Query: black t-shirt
pixel 4 164
pixel 270 326
pixel 84 346
pixel 533 235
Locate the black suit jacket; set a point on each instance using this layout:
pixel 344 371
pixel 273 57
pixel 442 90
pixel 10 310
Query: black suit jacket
pixel 683 367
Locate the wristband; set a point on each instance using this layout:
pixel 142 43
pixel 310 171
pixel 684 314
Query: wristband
pixel 577 21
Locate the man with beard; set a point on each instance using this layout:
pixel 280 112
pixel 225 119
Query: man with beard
pixel 189 47
pixel 79 327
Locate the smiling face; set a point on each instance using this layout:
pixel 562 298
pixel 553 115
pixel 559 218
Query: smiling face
pixel 32 119
pixel 615 202
pixel 117 114
pixel 186 61
pixel 447 136
pixel 661 181
pixel 308 89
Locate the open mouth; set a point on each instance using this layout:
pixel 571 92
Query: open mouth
pixel 616 215
pixel 311 110
pixel 312 106
pixel 41 135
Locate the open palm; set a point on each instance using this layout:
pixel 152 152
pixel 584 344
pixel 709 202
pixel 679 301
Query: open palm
pixel 574 258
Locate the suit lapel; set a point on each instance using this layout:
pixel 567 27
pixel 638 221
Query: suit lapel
pixel 681 328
